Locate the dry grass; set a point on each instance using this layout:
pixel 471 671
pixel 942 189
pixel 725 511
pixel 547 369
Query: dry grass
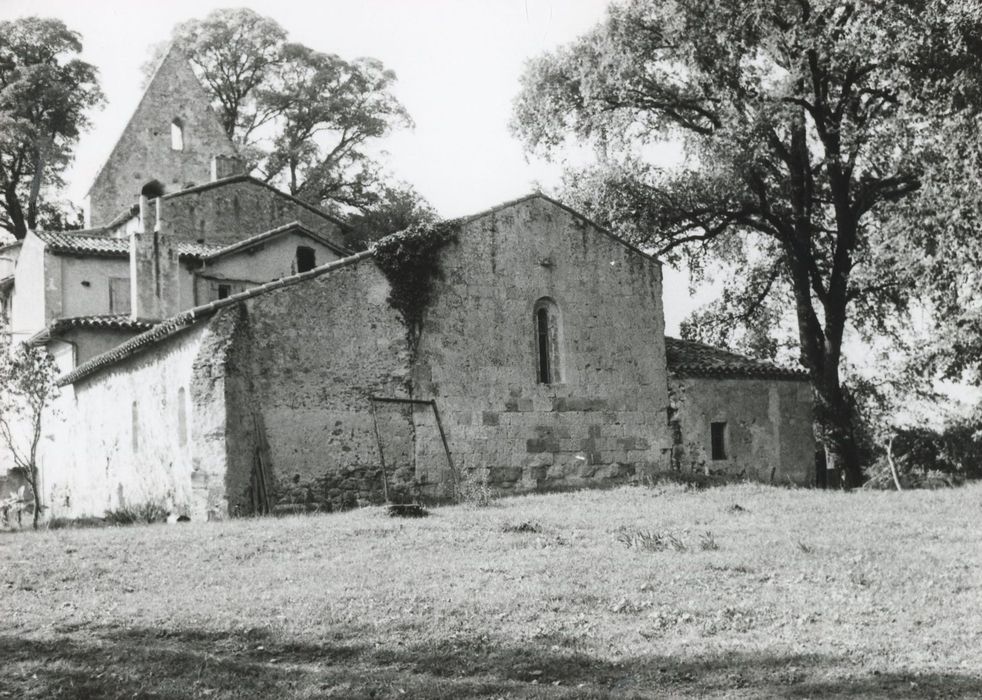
pixel 809 594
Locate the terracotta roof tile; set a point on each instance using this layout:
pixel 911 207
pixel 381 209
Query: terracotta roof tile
pixel 119 322
pixel 95 242
pixel 186 319
pixel 687 358
pixel 111 321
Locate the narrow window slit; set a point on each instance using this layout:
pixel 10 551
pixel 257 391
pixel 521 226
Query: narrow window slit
pixel 542 321
pixel 718 438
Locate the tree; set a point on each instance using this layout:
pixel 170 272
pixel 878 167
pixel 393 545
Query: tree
pixel 398 207
pixel 302 118
pixel 805 126
pixel 45 91
pixel 232 52
pixel 26 391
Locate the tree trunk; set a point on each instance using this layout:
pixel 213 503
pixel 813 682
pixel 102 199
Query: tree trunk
pixel 35 494
pixel 35 195
pixel 834 421
pixel 16 215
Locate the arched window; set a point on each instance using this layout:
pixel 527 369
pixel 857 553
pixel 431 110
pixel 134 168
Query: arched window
pixel 182 417
pixel 548 341
pixel 177 135
pixel 152 189
pixel 306 258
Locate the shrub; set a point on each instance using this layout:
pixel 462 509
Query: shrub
pixel 75 523
pixel 475 490
pixel 650 541
pixel 707 542
pixel 149 512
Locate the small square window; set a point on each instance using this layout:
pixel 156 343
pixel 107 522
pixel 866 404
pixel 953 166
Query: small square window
pixel 718 435
pixel 306 259
pixel 224 290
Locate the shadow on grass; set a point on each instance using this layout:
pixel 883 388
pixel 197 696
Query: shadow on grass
pixel 146 663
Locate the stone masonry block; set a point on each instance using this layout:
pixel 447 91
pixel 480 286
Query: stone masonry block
pixel 504 475
pixel 542 445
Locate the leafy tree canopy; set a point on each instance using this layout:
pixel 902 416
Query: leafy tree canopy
pixel 27 390
pixel 45 91
pixel 809 128
pixel 303 119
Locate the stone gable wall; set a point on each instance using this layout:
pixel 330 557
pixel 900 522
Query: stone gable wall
pixel 606 421
pixel 143 152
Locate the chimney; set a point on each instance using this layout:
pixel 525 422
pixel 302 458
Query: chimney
pixel 225 166
pixel 154 269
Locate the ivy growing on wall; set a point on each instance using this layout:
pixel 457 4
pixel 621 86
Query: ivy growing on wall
pixel 409 261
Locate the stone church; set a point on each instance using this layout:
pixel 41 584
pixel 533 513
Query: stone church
pixel 223 352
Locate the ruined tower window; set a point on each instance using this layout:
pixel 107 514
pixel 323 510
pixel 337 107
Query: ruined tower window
pixel 152 189
pixel 548 341
pixel 182 417
pixel 177 135
pixel 135 429
pixel 718 436
pixel 224 290
pixel 306 258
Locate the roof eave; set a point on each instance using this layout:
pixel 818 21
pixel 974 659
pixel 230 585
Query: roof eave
pixel 187 319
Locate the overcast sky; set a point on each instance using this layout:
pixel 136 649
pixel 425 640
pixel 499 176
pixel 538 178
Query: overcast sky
pixel 458 64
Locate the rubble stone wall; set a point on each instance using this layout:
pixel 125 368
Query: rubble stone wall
pixel 768 433
pixel 604 421
pixel 233 210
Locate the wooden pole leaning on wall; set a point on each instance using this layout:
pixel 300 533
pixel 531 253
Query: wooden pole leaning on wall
pixel 446 448
pixel 439 424
pixel 381 452
pixel 261 497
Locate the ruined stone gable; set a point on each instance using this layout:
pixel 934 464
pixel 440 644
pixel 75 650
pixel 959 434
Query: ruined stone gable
pixel 171 139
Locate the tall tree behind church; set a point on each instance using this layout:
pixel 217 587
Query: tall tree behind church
pixel 804 124
pixel 304 119
pixel 45 92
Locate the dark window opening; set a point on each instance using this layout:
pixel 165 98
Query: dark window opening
pixel 718 434
pixel 224 290
pixel 306 259
pixel 542 336
pixel 152 189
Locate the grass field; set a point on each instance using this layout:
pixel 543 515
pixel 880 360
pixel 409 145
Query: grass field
pixel 809 594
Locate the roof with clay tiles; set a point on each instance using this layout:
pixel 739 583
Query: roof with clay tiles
pixel 96 242
pixel 687 358
pixel 186 319
pixel 292 227
pixel 115 322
